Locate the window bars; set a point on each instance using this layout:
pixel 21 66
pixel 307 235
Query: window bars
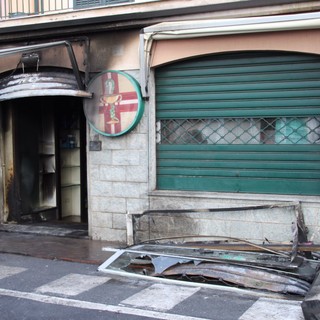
pixel 230 131
pixel 21 8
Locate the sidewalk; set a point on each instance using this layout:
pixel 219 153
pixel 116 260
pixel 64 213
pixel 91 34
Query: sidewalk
pixel 39 243
pixel 47 245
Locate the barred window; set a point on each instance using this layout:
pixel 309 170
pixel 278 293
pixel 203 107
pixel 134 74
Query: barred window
pixel 282 130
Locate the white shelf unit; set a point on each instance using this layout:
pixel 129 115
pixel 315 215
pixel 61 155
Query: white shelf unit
pixel 70 172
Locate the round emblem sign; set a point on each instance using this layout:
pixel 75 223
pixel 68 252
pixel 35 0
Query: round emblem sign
pixel 116 106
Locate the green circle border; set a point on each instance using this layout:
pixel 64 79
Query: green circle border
pixel 140 109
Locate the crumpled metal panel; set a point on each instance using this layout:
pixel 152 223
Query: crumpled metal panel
pixel 243 276
pixel 165 265
pixel 289 271
pixel 300 268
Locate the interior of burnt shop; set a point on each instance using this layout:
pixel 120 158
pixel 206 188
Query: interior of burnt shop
pixel 49 156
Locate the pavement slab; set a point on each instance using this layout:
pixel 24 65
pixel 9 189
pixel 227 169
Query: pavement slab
pixel 54 247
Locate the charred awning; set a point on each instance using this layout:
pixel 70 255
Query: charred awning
pixel 49 83
pixel 287 268
pixel 258 271
pixel 42 83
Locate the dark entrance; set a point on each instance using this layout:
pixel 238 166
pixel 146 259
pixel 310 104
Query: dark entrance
pixel 49 153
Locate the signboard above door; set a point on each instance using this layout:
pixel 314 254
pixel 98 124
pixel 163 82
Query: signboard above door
pixel 117 105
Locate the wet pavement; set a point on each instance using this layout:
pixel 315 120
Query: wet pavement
pixel 64 243
pixel 52 242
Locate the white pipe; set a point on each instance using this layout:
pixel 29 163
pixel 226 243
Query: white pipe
pixel 130 237
pixel 237 25
pixel 217 27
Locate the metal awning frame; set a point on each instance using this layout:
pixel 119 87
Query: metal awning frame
pixel 217 27
pixel 32 48
pixel 114 266
pixel 105 268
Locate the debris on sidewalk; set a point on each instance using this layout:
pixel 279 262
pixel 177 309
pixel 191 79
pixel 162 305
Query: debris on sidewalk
pixel 252 270
pixel 276 268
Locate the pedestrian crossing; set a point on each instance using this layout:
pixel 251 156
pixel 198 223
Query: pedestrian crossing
pixel 6 271
pixel 160 297
pixel 72 284
pixel 153 300
pixel 273 310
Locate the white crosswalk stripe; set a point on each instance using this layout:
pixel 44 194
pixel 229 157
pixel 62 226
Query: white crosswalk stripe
pixel 272 309
pixel 6 271
pixel 95 306
pixel 156 300
pixel 160 297
pixel 72 284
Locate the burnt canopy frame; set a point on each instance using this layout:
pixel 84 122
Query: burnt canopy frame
pixel 32 48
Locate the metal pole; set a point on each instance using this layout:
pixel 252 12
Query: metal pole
pixel 36 6
pixel 5 9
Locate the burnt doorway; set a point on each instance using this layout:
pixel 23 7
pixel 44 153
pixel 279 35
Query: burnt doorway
pixel 49 146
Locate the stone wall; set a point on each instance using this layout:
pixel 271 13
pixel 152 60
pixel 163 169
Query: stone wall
pixel 117 181
pixel 256 225
pixel 272 224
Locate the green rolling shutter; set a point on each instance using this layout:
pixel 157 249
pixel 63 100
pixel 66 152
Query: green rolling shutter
pixel 251 122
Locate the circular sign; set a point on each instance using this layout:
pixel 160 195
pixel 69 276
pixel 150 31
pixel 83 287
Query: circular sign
pixel 116 106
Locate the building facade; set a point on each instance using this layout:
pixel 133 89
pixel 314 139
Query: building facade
pixel 123 107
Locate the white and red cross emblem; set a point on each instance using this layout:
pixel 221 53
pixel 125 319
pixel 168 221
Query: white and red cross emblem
pixel 118 103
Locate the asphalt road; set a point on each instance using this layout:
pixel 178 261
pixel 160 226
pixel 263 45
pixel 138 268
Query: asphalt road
pixel 32 288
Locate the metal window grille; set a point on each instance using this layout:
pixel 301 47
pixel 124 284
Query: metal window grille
pixel 281 130
pixel 86 3
pixel 20 8
pixel 94 3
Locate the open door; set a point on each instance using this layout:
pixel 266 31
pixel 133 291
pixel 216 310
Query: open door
pixel 35 158
pixel 49 159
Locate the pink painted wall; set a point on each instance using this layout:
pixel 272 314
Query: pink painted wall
pixel 165 51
